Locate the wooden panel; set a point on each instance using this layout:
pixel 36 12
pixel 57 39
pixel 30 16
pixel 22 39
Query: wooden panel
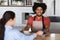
pixel 52 37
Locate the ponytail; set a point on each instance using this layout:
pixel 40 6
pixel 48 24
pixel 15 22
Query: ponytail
pixel 2 29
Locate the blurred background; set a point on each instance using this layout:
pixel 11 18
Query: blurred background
pixel 23 10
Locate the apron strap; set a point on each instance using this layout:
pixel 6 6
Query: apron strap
pixel 34 18
pixel 42 23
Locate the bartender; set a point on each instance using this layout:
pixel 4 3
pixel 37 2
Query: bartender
pixel 39 20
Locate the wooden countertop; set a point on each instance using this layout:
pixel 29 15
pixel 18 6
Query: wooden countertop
pixel 53 37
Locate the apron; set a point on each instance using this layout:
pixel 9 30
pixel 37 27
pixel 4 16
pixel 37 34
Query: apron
pixel 38 25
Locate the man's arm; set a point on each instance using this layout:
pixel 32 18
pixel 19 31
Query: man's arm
pixel 47 30
pixel 26 28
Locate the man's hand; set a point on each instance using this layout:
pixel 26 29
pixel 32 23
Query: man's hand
pixel 40 33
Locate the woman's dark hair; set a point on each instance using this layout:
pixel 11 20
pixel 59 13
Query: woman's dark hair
pixel 6 17
pixel 42 5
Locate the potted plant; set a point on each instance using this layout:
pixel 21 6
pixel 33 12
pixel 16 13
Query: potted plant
pixel 17 0
pixel 40 0
pixel 1 2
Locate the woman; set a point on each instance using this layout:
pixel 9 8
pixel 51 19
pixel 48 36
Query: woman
pixel 39 20
pixel 6 28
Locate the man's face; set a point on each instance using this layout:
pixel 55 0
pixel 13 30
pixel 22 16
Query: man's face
pixel 39 11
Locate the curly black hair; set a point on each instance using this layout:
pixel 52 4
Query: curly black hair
pixel 42 5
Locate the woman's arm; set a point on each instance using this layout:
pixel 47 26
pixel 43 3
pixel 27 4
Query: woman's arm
pixel 21 36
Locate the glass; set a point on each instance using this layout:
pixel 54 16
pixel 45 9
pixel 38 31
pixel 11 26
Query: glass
pixel 18 2
pixel 3 2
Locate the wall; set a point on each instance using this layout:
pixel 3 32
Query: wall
pixel 18 11
pixel 57 7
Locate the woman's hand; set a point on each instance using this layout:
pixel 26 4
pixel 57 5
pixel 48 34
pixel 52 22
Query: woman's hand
pixel 40 33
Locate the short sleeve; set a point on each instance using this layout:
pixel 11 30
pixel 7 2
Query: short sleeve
pixel 30 21
pixel 47 21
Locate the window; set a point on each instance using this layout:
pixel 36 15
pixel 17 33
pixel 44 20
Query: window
pixel 18 2
pixel 3 3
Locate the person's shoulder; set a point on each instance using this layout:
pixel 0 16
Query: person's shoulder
pixel 13 31
pixel 31 18
pixel 46 18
